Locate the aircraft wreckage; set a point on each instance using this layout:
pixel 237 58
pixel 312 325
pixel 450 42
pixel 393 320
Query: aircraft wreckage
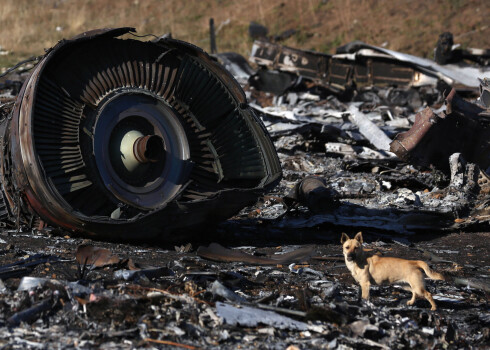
pixel 129 139
pixel 388 137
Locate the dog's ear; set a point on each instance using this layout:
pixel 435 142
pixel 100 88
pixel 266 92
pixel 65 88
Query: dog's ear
pixel 344 238
pixel 358 237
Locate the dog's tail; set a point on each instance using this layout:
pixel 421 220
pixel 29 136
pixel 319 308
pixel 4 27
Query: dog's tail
pixel 431 274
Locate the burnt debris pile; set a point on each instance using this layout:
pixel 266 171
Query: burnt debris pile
pixel 401 143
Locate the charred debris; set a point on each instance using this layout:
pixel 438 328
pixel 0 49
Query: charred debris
pixel 398 142
pixel 367 139
pixel 269 297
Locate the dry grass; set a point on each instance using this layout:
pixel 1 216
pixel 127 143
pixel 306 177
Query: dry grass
pixel 412 26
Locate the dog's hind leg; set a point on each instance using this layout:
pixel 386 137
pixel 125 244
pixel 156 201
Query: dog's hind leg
pixel 418 290
pixel 421 292
pixel 428 296
pixel 416 286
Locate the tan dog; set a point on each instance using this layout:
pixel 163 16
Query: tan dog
pixel 367 268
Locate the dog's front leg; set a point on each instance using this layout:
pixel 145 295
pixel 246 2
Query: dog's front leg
pixel 365 289
pixel 359 291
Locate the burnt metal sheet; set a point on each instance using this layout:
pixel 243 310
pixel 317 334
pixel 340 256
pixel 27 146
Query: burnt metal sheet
pixel 359 64
pixel 309 64
pixel 272 81
pixel 447 52
pixel 462 76
pixel 338 71
pixel 237 65
pixel 216 252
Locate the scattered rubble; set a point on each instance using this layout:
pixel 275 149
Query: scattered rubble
pixel 200 303
pixel 353 134
pixel 462 128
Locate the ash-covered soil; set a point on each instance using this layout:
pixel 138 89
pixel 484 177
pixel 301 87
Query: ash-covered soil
pixel 309 305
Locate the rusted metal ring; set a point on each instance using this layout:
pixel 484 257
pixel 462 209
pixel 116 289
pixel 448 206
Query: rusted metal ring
pixel 149 149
